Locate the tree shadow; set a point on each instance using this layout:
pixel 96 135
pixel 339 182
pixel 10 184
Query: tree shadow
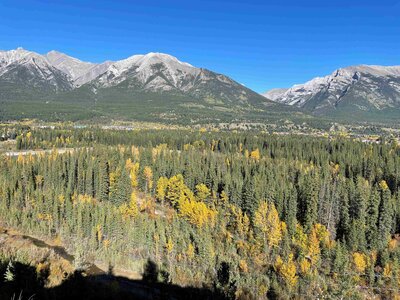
pixel 29 285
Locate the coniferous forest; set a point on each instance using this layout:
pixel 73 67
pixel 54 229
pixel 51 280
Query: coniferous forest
pixel 243 215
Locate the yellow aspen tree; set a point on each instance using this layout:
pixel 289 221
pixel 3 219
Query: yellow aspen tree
pixel 130 210
pixel 243 267
pixel 174 188
pixel 161 188
pixel 255 154
pixel 266 219
pixel 287 270
pixel 129 164
pixel 135 152
pixel 383 185
pixel 305 266
pixel 20 159
pixel 190 251
pixel 360 262
pixel 197 213
pixel 314 250
pixel 148 175
pixel 224 197
pixel 134 175
pixel 99 233
pixel 169 245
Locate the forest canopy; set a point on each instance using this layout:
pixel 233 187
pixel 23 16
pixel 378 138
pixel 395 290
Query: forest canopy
pixel 251 214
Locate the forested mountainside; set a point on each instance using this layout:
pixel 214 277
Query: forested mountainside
pixel 247 216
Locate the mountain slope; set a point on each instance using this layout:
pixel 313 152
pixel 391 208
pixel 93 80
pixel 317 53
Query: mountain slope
pixel 69 65
pixel 25 74
pixel 151 87
pixel 158 86
pixel 165 74
pixel 361 92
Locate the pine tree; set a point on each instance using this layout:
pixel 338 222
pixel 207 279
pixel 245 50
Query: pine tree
pixel 104 181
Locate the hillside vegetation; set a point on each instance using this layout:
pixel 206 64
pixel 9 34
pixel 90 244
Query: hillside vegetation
pixel 243 215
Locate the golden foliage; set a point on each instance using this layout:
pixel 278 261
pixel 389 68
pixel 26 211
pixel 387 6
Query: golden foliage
pixel 133 172
pixel 130 210
pixel 161 188
pixel 135 152
pixel 44 217
pixel 392 244
pixel 387 271
pixel 61 199
pixel 313 246
pixel 266 219
pixel 224 197
pixel 190 251
pixel 176 188
pixel 20 159
pixel 106 243
pixel 156 151
pixel 148 175
pixel 383 185
pixel 360 262
pixel 169 245
pixel 243 267
pixel 334 168
pixel 82 199
pixel 197 213
pixel 305 266
pixel 322 233
pixel 287 270
pixel 255 154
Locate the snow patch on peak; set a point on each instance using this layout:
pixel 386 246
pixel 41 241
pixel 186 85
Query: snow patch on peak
pixel 145 68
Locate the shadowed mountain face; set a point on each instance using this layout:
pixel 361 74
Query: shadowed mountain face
pixel 151 86
pixel 361 92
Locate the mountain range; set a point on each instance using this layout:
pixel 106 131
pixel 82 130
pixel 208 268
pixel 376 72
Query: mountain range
pixel 159 87
pixel 354 93
pixel 150 87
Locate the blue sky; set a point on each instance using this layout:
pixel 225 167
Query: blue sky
pixel 261 44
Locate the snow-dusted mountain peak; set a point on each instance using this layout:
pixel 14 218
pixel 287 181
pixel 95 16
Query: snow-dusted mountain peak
pixel 11 56
pixel 73 67
pixel 364 86
pixel 152 58
pixel 155 71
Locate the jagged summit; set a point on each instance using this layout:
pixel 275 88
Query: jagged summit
pixel 354 89
pixel 21 69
